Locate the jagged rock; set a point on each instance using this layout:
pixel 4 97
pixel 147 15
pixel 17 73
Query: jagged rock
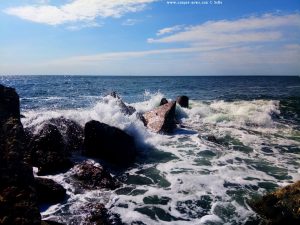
pixel 93 177
pixel 108 143
pixel 163 101
pixel 18 201
pixel 48 191
pixel 71 131
pixel 183 101
pixel 161 119
pixel 48 151
pixel 128 110
pixel 281 206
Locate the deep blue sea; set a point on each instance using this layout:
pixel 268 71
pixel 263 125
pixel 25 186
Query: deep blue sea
pixel 180 178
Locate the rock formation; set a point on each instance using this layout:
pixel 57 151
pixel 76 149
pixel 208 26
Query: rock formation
pixel 183 101
pixel 18 200
pixel 281 206
pixel 161 119
pixel 108 143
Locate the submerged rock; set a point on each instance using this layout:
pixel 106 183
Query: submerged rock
pixel 18 200
pixel 161 119
pixel 48 151
pixel 281 206
pixel 108 143
pixel 49 191
pixel 92 176
pixel 183 101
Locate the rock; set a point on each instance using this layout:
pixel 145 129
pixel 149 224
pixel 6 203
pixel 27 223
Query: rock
pixel 93 177
pixel 18 200
pixel 281 206
pixel 48 222
pixel 127 110
pixel 108 143
pixel 161 119
pixel 163 101
pixel 48 151
pixel 183 101
pixel 71 131
pixel 48 191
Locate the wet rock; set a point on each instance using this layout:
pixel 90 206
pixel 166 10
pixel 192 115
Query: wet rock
pixel 163 101
pixel 281 206
pixel 126 109
pixel 18 201
pixel 48 222
pixel 93 177
pixel 48 191
pixel 48 151
pixel 108 143
pixel 183 101
pixel 71 131
pixel 97 214
pixel 161 119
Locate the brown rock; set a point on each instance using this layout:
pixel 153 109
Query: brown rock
pixel 281 206
pixel 93 177
pixel 161 119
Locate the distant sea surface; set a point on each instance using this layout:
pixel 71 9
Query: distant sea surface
pixel 181 178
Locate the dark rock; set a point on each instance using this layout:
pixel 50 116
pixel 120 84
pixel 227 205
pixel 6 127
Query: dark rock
pixel 18 201
pixel 108 143
pixel 48 222
pixel 183 101
pixel 71 131
pixel 212 138
pixel 48 151
pixel 48 191
pixel 92 176
pixel 163 101
pixel 161 119
pixel 9 103
pixel 281 206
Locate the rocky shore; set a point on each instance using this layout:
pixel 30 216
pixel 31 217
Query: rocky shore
pixel 50 150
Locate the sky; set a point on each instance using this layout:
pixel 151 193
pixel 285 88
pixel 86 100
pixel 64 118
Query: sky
pixel 149 37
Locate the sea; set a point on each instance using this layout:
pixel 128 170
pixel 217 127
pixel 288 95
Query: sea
pixel 183 177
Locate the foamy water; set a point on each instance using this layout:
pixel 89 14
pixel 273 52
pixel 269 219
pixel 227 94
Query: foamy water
pixel 183 178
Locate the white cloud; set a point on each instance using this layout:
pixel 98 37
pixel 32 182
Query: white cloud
pixel 268 27
pixel 169 30
pixel 130 22
pixel 77 10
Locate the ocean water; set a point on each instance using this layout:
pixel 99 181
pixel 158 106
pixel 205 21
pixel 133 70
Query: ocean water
pixel 180 178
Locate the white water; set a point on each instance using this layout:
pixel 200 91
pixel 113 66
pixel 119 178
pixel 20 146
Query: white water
pixel 199 182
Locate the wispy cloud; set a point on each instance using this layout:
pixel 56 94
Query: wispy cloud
pixel 77 10
pixel 169 30
pixel 266 28
pixel 130 22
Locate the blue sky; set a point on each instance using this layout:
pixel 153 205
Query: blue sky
pixel 150 37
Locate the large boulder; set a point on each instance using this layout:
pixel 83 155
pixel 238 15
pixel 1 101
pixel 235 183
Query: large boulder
pixel 183 101
pixel 161 119
pixel 281 206
pixel 48 191
pixel 108 143
pixel 48 151
pixel 18 200
pixel 94 176
pixel 71 131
